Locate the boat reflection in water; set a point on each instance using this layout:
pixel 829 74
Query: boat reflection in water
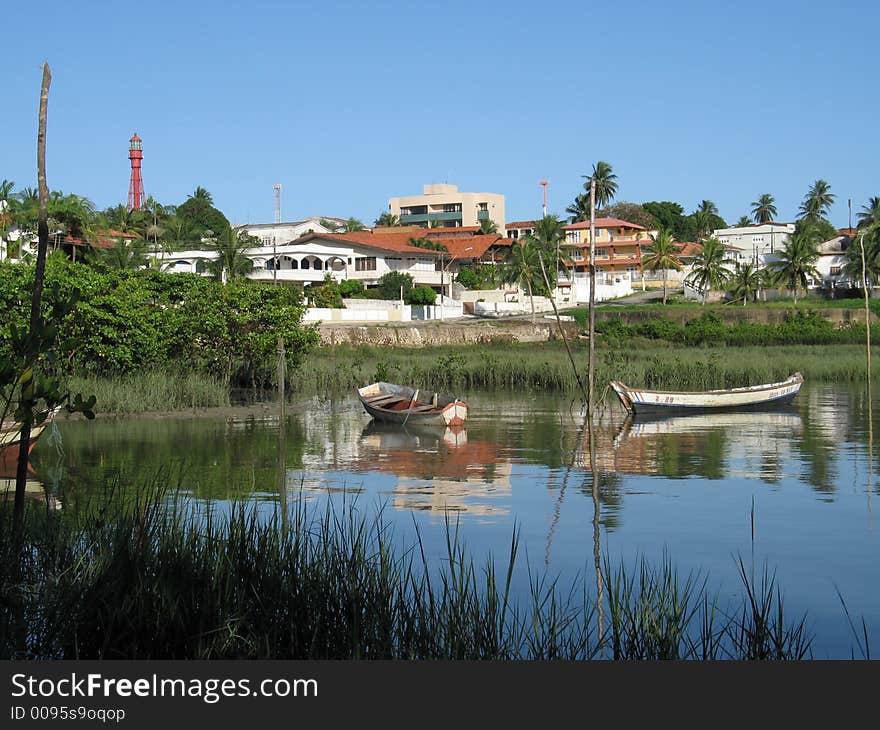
pixel 34 489
pixel 437 469
pixel 753 444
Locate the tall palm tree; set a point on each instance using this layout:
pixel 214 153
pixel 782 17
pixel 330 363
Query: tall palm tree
pixel 817 202
pixel 743 221
pixel 709 269
pixel 764 209
pixel 705 216
pixel 746 281
pixel 549 238
pixel 662 255
pixel 869 236
pixel 231 248
pixel 870 214
pixel 522 266
pixel 201 194
pixel 606 184
pixel 796 262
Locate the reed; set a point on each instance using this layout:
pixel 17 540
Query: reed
pixel 545 366
pixel 153 390
pixel 153 578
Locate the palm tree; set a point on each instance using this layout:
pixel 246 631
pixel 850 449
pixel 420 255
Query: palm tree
pixel 522 266
pixel 763 209
pixel 231 248
pixel 488 227
pixel 387 220
pixel 796 262
pixel 817 202
pixel 869 236
pixel 580 208
pixel 870 214
pixel 201 194
pixel 743 221
pixel 549 238
pixel 705 216
pixel 709 269
pixel 746 281
pixel 662 254
pixel 125 255
pixel 606 183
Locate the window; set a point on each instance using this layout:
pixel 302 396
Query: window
pixel 601 253
pixel 482 206
pixel 452 208
pixel 367 263
pixel 513 234
pixel 835 271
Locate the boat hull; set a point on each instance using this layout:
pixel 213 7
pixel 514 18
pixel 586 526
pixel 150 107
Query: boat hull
pixel 390 403
pixel 653 402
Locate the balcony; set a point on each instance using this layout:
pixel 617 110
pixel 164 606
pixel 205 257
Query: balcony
pixel 416 218
pixel 482 215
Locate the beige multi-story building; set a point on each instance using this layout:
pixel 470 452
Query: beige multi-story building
pixel 443 205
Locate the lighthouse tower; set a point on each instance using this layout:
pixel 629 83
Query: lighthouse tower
pixel 136 186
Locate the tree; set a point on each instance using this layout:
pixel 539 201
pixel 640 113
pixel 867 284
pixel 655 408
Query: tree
pixel 671 216
pixel 746 281
pixel 523 267
pixel 200 212
pixel 395 284
pixel 488 227
pixel 630 212
pixel 606 183
pixel 427 244
pixel 124 255
pixel 870 213
pixel 796 262
pixel 201 194
pixel 817 202
pixel 709 269
pixel 743 221
pixel 580 208
pixel 818 230
pixel 387 220
pixel 706 219
pixel 422 295
pixel 764 209
pixel 353 224
pixel 549 238
pixel 231 248
pixel 662 254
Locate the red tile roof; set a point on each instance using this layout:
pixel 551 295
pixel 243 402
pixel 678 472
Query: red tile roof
pixel 520 224
pixel 605 223
pixel 462 247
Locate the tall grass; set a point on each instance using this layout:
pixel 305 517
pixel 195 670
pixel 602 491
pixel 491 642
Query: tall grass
pixel 545 366
pixel 153 390
pixel 155 579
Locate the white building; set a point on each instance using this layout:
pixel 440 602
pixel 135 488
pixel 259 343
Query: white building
pixel 280 233
pixel 757 243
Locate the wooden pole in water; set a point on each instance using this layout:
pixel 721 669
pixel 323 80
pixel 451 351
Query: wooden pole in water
pixel 592 314
pixel 281 374
pixel 868 366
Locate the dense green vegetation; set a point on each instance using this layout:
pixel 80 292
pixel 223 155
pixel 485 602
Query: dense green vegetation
pixel 145 580
pixel 545 366
pixel 128 322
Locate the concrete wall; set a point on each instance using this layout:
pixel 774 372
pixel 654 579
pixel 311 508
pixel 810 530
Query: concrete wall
pixel 449 334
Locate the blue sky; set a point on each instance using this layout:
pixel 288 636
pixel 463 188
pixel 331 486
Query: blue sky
pixel 349 103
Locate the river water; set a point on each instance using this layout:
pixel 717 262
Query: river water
pixel 792 489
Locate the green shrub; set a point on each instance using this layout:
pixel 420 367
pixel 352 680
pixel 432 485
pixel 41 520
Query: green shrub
pixel 394 283
pixel 350 288
pixel 422 295
pixel 468 278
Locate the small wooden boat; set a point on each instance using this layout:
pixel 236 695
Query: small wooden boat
pixel 391 403
pixel 663 401
pixel 10 437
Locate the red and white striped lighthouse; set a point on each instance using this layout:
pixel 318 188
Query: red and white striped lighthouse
pixel 136 186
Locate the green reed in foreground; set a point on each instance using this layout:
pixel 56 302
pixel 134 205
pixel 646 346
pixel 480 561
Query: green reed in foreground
pixel 153 579
pixel 153 390
pixel 545 366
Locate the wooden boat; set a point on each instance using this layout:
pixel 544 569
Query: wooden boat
pixel 663 401
pixel 391 403
pixel 10 437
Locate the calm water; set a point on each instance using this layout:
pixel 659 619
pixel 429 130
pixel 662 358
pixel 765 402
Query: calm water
pixel 690 487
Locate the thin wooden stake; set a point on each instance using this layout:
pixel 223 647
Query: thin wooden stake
pixel 591 386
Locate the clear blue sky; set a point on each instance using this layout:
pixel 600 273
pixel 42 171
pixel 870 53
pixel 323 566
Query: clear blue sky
pixel 349 103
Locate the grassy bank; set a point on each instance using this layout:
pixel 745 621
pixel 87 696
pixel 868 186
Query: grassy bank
pixel 152 390
pixel 150 581
pixel 545 366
